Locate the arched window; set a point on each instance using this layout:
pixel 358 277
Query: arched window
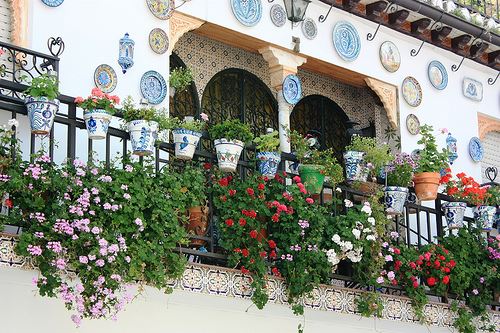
pixel 238 94
pixel 184 103
pixel 321 114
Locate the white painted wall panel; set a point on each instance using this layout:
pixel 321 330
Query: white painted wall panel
pixel 491 144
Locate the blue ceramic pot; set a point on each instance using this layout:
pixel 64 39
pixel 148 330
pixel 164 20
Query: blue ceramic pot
pixel 454 214
pixel 143 136
pixel 41 113
pixel 395 199
pixel 97 123
pixel 354 166
pixel 268 163
pixel 485 216
pixel 185 143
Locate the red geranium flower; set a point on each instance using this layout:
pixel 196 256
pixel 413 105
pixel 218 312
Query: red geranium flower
pixel 242 222
pixel 250 191
pixel 261 187
pixel 431 281
pixel 271 243
pixel 263 254
pixel 413 265
pixel 244 270
pixel 223 198
pixel 232 192
pixel 207 166
pixel 451 263
pixel 237 250
pixel 415 284
pixel 9 203
pixel 446 279
pixel 272 254
pixel 245 253
pixel 223 182
pixel 309 200
pixel 275 218
pixel 229 222
pixel 253 234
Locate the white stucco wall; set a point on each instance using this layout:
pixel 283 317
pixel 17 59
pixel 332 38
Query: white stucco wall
pixel 491 158
pixel 5 20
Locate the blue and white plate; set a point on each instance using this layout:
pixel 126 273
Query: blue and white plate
pixel 278 15
pixel 437 75
pixel 476 150
pixel 346 41
pixel 309 28
pixel 53 3
pixel 105 78
pixel 292 89
pixel 153 87
pixel 248 12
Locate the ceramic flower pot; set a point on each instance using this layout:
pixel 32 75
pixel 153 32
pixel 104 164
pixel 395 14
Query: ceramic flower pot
pixel 198 224
pixel 185 143
pixel 454 214
pixel 143 135
pixel 268 163
pixel 426 185
pixel 485 216
pixel 354 166
pixel 228 153
pixel 41 113
pixel 395 199
pixel 312 177
pixel 97 123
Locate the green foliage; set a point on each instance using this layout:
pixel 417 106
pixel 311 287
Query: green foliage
pixel 131 112
pixel 375 154
pixel 45 85
pixel 180 78
pixel 430 159
pixel 269 142
pixel 195 125
pixel 492 197
pixel 370 304
pixel 400 170
pixel 231 129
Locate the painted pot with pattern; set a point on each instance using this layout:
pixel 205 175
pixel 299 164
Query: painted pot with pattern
pixel 426 185
pixel 197 224
pixel 454 214
pixel 185 142
pixel 354 166
pixel 228 153
pixel 97 123
pixel 485 216
pixel 41 114
pixel 312 177
pixel 395 199
pixel 143 135
pixel 268 163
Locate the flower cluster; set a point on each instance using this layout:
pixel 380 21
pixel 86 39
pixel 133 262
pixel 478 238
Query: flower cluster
pixel 464 188
pixel 400 170
pixel 494 247
pixel 98 101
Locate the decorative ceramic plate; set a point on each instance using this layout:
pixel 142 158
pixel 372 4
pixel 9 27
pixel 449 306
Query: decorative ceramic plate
pixel 346 41
pixel 248 12
pixel 162 9
pixel 292 89
pixel 476 150
pixel 437 75
pixel 412 93
pixel 309 28
pixel 153 87
pixel 158 40
pixel 278 15
pixel 105 78
pixel 412 124
pixel 389 56
pixel 53 3
pixel 473 89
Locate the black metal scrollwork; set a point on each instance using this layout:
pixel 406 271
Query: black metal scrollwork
pixel 492 81
pixel 438 26
pixel 478 42
pixel 391 8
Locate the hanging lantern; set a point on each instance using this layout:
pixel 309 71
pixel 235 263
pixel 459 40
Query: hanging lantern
pixel 451 143
pixel 126 56
pixel 296 9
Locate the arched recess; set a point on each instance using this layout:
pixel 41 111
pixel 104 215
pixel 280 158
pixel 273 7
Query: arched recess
pixel 184 103
pixel 316 112
pixel 237 94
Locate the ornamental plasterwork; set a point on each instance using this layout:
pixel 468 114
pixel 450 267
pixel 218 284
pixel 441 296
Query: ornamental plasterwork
pixel 19 22
pixel 179 24
pixel 388 95
pixel 486 125
pixel 227 282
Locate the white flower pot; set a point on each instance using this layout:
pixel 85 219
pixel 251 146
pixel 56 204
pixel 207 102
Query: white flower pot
pixel 41 113
pixel 185 143
pixel 395 199
pixel 228 153
pixel 143 136
pixel 354 166
pixel 454 214
pixel 485 216
pixel 97 123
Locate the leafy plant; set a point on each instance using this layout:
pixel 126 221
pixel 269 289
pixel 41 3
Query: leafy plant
pixel 399 172
pixel 98 100
pixel 492 197
pixel 430 158
pixel 231 129
pixel 370 304
pixel 45 85
pixel 269 142
pixel 130 112
pixel 376 155
pixel 180 78
pixel 464 188
pixel 189 123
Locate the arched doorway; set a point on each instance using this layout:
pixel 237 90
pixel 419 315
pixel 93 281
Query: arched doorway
pixel 316 112
pixel 184 103
pixel 238 94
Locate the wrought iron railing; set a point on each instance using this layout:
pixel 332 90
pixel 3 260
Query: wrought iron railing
pixel 487 8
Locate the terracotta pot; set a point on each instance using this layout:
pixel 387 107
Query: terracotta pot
pixel 369 188
pixel 198 224
pixel 426 185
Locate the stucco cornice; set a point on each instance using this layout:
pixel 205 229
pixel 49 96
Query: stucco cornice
pixel 388 95
pixel 179 24
pixel 487 124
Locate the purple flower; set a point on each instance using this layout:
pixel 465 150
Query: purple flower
pixel 99 263
pixel 391 275
pixel 481 279
pixel 83 259
pixel 475 291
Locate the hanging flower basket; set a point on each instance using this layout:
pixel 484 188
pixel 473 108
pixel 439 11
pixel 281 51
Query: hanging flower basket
pixel 395 199
pixel 485 216
pixel 41 113
pixel 228 153
pixel 454 214
pixel 185 143
pixel 426 185
pixel 143 136
pixel 97 123
pixel 268 163
pixel 354 166
pixel 313 177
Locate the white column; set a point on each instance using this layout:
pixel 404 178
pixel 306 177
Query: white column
pixel 284 110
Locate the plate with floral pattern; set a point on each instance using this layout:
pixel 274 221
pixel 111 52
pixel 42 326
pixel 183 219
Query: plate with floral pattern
pixel 309 28
pixel 278 15
pixel 292 89
pixel 346 41
pixel 153 87
pixel 412 92
pixel 437 75
pixel 476 150
pixel 53 3
pixel 162 9
pixel 247 12
pixel 412 124
pixel 105 78
pixel 158 40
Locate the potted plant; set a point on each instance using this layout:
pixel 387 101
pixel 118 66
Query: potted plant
pixel 143 125
pixel 398 177
pixel 42 103
pixel 269 155
pixel 430 163
pixel 179 80
pixel 98 110
pixel 485 212
pixel 187 134
pixel 230 137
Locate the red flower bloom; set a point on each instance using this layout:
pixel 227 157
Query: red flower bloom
pixel 451 263
pixel 394 282
pixel 296 179
pixel 413 265
pixel 8 203
pixel 263 254
pixel 207 166
pixel 252 261
pixel 397 265
pixel 250 191
pixel 244 270
pixel 253 234
pixel 441 257
pixel 223 182
pixel 397 251
pixel 237 250
pixel 261 187
pixel 275 218
pixel 272 254
pixel 229 222
pixel 431 281
pixel 446 270
pixel 223 198
pixel 309 200
pixel 437 264
pixel 242 222
pixel 232 192
pixel 446 279
pixel 415 284
pixel 275 271
pixel 245 253
pixel 271 243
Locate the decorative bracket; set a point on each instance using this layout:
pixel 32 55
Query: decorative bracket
pixel 477 43
pixel 391 8
pixel 491 81
pixel 52 43
pixel 419 26
pixel 322 18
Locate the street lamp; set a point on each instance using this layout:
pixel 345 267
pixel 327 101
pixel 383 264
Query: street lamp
pixel 296 9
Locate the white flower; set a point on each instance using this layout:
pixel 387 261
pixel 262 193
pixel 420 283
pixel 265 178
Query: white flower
pixel 346 246
pixel 204 116
pixel 336 238
pixel 332 257
pixel 370 238
pixel 338 189
pixel 356 233
pixel 371 220
pixel 356 255
pixel 348 203
pixel 367 209
pixel 367 230
pixel 13 122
